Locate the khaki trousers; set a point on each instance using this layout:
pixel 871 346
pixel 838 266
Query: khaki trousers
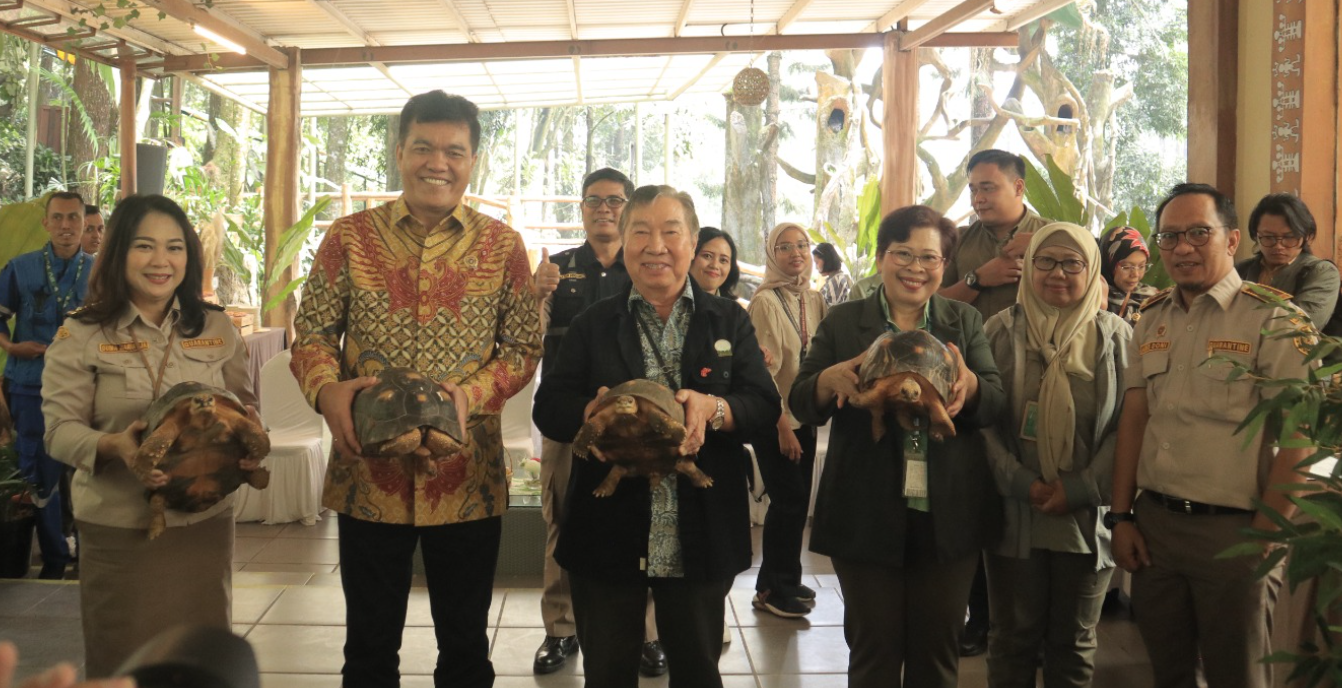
pixel 132 588
pixel 556 595
pixel 1053 600
pixel 1188 602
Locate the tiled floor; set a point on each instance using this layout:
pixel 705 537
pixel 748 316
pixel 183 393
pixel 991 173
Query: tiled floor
pixel 287 602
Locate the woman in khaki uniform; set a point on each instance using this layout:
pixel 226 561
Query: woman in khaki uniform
pixel 144 328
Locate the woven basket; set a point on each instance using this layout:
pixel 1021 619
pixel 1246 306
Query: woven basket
pixel 750 87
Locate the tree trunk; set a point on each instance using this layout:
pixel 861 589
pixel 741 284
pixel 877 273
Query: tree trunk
pixel 98 102
pixel 981 72
pixel 769 156
pixel 743 192
pixel 590 162
pixel 229 152
pixel 393 139
pixel 337 142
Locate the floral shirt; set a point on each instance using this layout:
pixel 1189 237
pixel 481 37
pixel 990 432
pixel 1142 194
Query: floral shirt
pixel 661 360
pixel 452 302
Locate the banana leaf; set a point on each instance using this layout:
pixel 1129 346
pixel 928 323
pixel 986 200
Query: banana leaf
pixel 21 231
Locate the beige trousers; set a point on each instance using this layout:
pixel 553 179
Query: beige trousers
pixel 132 588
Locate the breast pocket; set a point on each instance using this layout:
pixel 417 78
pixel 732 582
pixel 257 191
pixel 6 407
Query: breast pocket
pixel 1226 398
pixel 129 368
pixel 205 365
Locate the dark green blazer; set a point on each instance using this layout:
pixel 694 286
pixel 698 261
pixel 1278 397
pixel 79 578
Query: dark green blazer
pixel 860 511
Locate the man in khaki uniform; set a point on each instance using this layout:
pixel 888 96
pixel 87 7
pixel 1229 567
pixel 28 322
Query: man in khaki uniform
pixel 1177 443
pixel 985 271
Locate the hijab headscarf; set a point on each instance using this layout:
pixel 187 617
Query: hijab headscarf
pixel 1117 244
pixel 774 277
pixel 1066 338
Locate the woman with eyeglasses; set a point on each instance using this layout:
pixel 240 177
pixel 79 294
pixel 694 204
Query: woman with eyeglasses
pixel 1061 356
pixel 1282 227
pixel 1124 259
pixel 903 518
pixel 785 312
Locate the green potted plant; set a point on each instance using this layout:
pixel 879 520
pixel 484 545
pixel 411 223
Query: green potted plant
pixel 18 516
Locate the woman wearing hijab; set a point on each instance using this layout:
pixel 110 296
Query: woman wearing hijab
pixel 785 312
pixel 1124 259
pixel 1061 356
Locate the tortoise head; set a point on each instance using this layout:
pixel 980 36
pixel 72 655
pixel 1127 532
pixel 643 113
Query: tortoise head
pixel 625 404
pixel 202 403
pixel 909 390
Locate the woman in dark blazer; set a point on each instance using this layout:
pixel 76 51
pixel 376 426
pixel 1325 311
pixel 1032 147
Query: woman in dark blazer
pixel 604 542
pixel 905 563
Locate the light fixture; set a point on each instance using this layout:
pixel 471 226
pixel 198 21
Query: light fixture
pixel 206 33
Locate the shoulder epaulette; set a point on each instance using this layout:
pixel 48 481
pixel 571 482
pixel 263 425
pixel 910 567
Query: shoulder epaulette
pixel 1264 293
pixel 76 312
pixel 1156 298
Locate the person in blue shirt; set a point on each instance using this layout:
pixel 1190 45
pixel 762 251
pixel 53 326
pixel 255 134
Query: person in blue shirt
pixel 37 289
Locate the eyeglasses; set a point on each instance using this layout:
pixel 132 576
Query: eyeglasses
pixel 1134 269
pixel 1285 240
pixel 789 247
pixel 1071 266
pixel 612 202
pixel 1195 236
pixel 929 261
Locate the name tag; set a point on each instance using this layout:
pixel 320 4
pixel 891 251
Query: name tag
pixel 1229 345
pixel 204 343
pixel 126 348
pixel 1153 346
pixel 573 276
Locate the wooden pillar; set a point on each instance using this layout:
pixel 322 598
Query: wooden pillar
pixel 1213 36
pixel 899 171
pixel 1319 124
pixel 175 108
pixel 280 201
pixel 126 125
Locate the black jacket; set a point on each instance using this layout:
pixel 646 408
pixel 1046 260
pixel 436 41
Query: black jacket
pixel 860 510
pixel 583 281
pixel 607 537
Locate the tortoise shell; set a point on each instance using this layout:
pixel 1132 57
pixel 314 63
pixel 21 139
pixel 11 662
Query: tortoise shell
pixel 915 351
pixel 660 396
pixel 160 407
pixel 403 400
pixel 638 427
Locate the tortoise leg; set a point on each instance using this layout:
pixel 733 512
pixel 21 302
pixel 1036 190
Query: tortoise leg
pixel 908 418
pixel 877 423
pixel 441 443
pixel 691 470
pixel 607 486
pixel 940 422
pixel 399 445
pixel 254 439
pixel 586 438
pixel 156 446
pixel 663 425
pixel 158 522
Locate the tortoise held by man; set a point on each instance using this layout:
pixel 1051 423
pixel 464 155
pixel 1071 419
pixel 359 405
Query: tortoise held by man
pixel 198 435
pixel 404 412
pixel 638 427
pixel 911 375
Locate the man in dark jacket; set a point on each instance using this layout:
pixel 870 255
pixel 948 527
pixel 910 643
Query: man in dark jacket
pixel 683 543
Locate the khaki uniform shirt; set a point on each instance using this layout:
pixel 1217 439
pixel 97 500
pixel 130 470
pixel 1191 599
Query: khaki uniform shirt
pixel 96 383
pixel 775 330
pixel 978 245
pixel 1190 449
pixel 453 302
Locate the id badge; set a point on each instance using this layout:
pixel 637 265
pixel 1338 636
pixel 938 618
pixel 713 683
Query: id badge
pixel 915 466
pixel 1029 423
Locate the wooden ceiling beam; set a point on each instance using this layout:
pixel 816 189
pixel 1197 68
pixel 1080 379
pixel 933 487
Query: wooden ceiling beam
pixel 790 15
pixel 125 33
pixel 1043 9
pixel 255 45
pixel 897 14
pixel 351 26
pixel 478 52
pixel 943 23
pixel 681 18
pixel 460 19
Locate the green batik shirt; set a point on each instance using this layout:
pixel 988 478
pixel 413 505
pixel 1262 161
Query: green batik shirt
pixel 917 503
pixel 667 340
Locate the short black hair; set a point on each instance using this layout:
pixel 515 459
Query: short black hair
pixel 437 106
pixel 828 255
pixel 707 234
pixel 92 210
pixel 64 196
pixel 1225 208
pixel 1288 207
pixel 899 225
pixel 1010 164
pixel 608 174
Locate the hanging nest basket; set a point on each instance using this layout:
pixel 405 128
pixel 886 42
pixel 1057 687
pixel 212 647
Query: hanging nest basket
pixel 750 87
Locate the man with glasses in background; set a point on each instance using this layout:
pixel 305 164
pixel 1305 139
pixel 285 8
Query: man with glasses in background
pixel 567 283
pixel 1200 479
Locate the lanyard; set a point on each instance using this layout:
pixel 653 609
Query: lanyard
pixel 162 366
pixel 672 376
pixel 802 334
pixel 62 302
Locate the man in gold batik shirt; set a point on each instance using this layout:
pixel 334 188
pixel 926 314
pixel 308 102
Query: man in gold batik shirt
pixel 429 284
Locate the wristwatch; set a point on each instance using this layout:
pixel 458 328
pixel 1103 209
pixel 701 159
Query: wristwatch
pixel 1113 518
pixel 719 414
pixel 972 280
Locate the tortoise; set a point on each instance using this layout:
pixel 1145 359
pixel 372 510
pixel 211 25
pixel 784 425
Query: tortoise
pixel 403 412
pixel 910 374
pixel 638 427
pixel 197 434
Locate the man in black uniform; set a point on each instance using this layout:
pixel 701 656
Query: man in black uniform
pixel 568 282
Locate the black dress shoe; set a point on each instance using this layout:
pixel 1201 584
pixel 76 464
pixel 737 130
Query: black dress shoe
pixel 552 653
pixel 653 660
pixel 973 642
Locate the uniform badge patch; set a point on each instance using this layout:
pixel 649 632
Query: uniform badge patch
pixel 723 347
pixel 203 343
pixel 62 333
pixel 1160 331
pixel 125 348
pixel 1153 346
pixel 1230 345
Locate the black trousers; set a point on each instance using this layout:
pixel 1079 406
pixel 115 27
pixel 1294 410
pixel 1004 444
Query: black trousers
pixel 788 484
pixel 610 620
pixel 375 570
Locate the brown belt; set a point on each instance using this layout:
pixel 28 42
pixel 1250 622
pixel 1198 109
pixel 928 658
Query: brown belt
pixel 1185 506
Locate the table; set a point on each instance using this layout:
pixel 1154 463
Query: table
pixel 263 345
